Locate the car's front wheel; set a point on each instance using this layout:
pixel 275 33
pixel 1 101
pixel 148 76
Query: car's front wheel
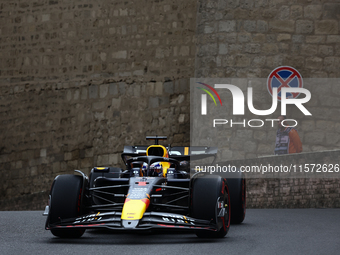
pixel 65 202
pixel 211 201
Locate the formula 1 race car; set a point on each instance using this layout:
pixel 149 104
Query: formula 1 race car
pixel 156 191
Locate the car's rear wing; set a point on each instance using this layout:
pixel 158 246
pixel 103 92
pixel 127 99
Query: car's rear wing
pixel 178 152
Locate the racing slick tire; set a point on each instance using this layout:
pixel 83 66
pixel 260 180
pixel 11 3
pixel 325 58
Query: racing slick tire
pixel 206 194
pixel 237 189
pixel 65 203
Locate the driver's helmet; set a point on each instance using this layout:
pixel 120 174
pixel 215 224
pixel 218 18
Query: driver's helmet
pixel 156 169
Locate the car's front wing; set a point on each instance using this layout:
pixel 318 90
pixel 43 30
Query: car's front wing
pixel 150 220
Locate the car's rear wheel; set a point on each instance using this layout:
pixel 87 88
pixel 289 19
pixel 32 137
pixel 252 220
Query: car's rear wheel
pixel 65 202
pixel 237 188
pixel 211 201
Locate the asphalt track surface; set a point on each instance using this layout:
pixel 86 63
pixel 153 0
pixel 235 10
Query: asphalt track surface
pixel 265 231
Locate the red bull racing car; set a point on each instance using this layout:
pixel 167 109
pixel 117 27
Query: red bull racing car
pixel 156 191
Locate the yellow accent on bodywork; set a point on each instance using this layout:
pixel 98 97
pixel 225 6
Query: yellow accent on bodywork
pixel 165 166
pixel 165 151
pixel 186 150
pixel 133 210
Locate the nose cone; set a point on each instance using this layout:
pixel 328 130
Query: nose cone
pixel 134 209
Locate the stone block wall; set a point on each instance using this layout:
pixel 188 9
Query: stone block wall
pixel 62 40
pixel 81 79
pixel 247 38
